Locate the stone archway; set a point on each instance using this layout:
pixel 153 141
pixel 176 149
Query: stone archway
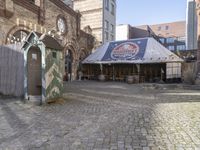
pixel 16 34
pixel 69 58
pixel 72 46
pixel 69 63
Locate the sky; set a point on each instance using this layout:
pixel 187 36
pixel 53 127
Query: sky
pixel 147 12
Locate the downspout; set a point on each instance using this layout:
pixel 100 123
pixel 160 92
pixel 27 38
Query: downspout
pixel 103 17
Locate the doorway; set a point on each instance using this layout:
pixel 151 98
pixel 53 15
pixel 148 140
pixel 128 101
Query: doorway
pixel 68 65
pixel 34 72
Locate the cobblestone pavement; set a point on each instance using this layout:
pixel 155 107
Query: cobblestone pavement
pixel 108 116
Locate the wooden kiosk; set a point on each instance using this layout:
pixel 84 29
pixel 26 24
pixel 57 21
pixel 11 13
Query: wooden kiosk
pixel 43 65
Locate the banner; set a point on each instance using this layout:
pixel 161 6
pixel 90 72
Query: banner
pixel 126 50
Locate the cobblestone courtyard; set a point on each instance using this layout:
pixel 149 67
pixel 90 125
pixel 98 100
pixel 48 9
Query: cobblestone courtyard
pixel 108 116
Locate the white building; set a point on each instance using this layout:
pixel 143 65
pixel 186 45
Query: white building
pixel 123 32
pixel 191 25
pixel 100 15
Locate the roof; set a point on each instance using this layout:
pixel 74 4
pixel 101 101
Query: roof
pixel 50 42
pixel 135 51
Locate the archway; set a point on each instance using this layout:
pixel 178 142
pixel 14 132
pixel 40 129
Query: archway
pixel 21 35
pixel 68 65
pixel 17 34
pixel 82 56
pixel 34 72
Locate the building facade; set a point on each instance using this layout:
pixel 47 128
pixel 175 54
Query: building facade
pixel 19 17
pixel 171 35
pixel 123 32
pixel 198 37
pixel 100 15
pixel 191 25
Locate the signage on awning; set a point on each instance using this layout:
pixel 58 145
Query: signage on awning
pixel 126 50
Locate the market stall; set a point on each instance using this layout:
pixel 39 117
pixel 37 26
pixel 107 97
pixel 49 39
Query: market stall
pixel 136 60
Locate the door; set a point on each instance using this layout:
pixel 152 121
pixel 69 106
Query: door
pixel 34 72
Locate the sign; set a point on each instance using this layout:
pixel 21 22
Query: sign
pixel 125 50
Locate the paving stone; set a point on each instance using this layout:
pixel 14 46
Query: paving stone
pixel 109 116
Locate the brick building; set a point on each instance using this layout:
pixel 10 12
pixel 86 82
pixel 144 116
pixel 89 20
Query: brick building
pixel 171 35
pixel 19 17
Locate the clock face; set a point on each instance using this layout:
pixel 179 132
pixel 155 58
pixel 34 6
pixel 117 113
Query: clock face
pixel 61 25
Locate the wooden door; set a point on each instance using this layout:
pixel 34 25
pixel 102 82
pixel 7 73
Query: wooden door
pixel 34 72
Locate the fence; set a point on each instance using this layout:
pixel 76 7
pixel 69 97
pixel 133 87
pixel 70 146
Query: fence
pixel 11 70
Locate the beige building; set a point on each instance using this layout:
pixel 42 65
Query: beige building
pixel 100 15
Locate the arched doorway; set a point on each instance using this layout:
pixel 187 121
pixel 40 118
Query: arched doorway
pixel 68 65
pixel 34 72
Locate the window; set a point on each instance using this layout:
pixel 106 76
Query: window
pixel 112 9
pixel 18 37
pixel 170 40
pixel 162 40
pixel 159 28
pixel 54 55
pixel 171 48
pixel 106 36
pixel 112 28
pixel 106 25
pixel 107 4
pixel 181 47
pixel 181 39
pixel 166 27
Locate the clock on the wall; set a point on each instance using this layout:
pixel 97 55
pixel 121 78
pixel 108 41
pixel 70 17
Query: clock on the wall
pixel 61 25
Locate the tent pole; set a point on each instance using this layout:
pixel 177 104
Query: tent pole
pixel 133 70
pixel 113 71
pixel 139 72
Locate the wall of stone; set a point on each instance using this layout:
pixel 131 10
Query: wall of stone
pixel 188 74
pixel 28 17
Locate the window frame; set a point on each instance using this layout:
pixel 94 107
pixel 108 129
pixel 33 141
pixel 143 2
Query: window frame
pixel 112 11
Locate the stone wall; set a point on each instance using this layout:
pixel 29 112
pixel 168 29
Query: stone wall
pixel 42 18
pixel 188 74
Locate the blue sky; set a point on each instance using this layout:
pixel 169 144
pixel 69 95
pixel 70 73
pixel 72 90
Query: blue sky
pixel 140 12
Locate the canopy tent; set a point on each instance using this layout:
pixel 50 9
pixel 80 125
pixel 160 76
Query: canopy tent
pixel 144 57
pixel 136 51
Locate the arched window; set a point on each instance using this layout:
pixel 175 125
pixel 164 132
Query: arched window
pixel 18 37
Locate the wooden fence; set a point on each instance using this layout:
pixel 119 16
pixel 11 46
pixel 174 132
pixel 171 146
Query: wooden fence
pixel 11 70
